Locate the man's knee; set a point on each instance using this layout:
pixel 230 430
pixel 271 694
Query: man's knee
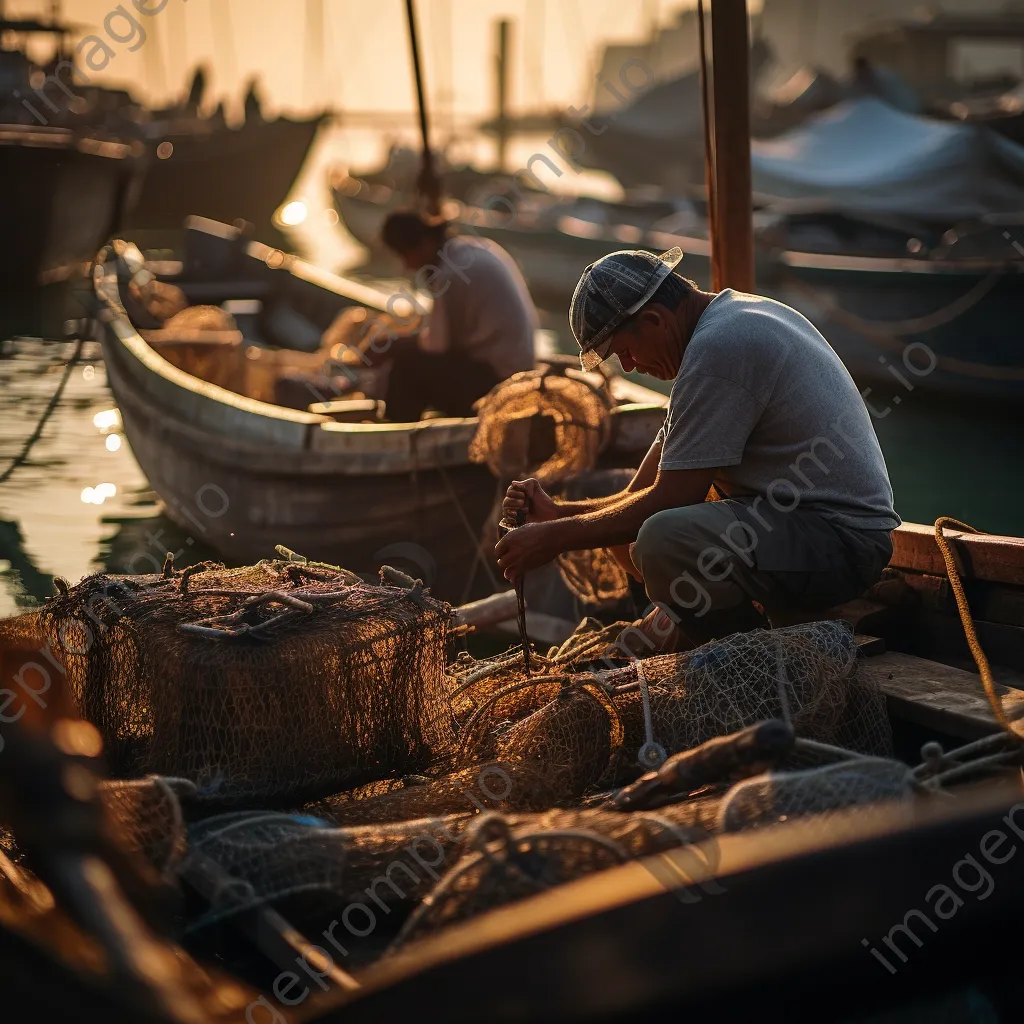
pixel 653 541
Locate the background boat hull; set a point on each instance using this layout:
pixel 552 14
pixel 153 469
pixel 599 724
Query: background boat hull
pixel 977 354
pixel 242 173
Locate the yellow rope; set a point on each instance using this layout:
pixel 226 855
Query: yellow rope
pixel 977 653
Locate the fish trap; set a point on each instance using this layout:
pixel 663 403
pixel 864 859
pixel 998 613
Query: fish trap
pixel 273 683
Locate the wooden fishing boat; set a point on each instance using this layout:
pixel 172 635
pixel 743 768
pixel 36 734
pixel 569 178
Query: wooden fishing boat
pixel 244 475
pixel 899 300
pixel 551 237
pixel 64 192
pixel 770 917
pixel 227 173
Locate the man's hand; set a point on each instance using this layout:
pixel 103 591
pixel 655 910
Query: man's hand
pixel 528 494
pixel 527 547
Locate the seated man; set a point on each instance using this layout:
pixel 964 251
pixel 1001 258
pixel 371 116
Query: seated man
pixel 480 329
pixel 761 409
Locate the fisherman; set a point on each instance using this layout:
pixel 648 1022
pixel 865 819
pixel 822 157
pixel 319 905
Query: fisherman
pixel 479 331
pixel 763 419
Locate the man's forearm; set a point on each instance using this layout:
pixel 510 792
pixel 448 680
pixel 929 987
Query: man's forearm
pixel 587 505
pixel 618 522
pixel 642 479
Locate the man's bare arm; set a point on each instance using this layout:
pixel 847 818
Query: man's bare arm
pixel 617 524
pixel 524 493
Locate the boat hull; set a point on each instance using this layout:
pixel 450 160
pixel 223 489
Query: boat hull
pixel 243 476
pixel 945 329
pixel 244 506
pixel 230 174
pixel 62 197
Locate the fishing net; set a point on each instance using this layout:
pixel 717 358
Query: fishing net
pixel 779 796
pixel 315 873
pixel 270 683
pixel 542 424
pixel 622 715
pixel 509 858
pixel 594 576
pixel 148 818
pixel 587 720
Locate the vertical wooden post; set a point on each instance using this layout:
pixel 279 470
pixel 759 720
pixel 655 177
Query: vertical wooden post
pixel 501 66
pixel 733 243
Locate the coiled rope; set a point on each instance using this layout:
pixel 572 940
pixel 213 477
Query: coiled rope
pixel 984 669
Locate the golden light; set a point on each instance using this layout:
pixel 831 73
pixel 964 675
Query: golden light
pixel 293 213
pixel 107 420
pixel 113 442
pixel 164 150
pixel 98 494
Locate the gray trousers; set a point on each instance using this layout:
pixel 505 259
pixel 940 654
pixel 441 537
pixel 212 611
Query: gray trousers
pixel 706 564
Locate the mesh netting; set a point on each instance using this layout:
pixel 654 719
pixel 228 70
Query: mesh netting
pixel 579 726
pixel 315 873
pixel 779 796
pixel 509 858
pixel 586 728
pixel 270 683
pixel 593 577
pixel 511 415
pixel 148 818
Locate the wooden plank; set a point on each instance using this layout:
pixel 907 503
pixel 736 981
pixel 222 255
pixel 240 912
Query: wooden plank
pixel 982 556
pixel 937 696
pixel 488 610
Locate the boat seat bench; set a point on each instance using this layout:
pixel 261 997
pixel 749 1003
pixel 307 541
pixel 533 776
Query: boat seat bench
pixel 935 696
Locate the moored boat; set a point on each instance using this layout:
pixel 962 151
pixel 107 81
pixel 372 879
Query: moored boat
pixel 245 475
pixel 65 192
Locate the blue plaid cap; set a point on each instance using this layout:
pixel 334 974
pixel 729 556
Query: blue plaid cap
pixel 610 291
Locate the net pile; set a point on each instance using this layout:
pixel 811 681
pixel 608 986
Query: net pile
pixel 803 674
pixel 266 684
pixel 579 725
pixel 396 799
pixel 780 796
pixel 365 877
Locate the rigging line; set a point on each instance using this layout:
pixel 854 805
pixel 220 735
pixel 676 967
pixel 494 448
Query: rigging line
pixel 20 458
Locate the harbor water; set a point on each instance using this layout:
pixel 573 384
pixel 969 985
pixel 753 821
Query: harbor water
pixel 80 503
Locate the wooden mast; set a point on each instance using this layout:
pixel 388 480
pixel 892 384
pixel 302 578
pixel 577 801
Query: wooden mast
pixel 427 184
pixel 732 237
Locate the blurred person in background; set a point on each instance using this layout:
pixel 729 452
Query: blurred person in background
pixel 481 327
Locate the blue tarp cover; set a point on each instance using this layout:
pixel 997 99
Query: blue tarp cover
pixel 865 156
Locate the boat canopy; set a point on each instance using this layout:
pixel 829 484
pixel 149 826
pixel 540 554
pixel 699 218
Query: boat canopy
pixel 864 156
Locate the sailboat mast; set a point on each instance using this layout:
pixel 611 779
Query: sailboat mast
pixel 733 238
pixel 428 185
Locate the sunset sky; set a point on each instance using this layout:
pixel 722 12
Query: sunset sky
pixel 362 58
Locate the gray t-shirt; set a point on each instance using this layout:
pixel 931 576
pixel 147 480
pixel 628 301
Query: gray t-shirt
pixel 482 307
pixel 762 396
